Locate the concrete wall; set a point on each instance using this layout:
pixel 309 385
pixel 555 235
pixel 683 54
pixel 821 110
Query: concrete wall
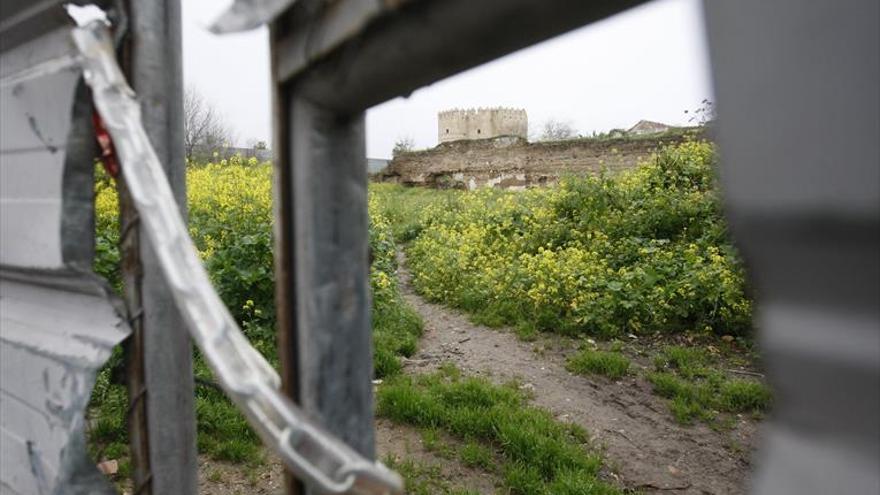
pixel 513 163
pixel 482 123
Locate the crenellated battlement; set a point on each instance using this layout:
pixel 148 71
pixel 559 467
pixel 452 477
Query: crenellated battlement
pixel 465 112
pixel 481 123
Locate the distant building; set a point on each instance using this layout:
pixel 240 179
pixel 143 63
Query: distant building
pixel 648 127
pixel 376 165
pixel 481 123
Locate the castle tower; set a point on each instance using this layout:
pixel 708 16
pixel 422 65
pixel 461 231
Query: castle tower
pixel 481 123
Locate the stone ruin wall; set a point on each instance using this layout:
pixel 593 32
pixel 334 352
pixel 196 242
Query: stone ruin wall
pixel 513 163
pixel 481 123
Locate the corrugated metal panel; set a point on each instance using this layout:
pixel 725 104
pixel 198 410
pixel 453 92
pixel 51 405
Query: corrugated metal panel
pixel 57 330
pixel 57 324
pixel 39 79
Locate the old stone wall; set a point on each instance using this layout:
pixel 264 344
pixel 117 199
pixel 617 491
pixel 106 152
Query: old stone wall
pixel 513 163
pixel 481 123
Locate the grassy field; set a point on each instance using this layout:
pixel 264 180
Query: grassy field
pixel 230 221
pixel 634 254
pixel 639 253
pixel 643 251
pixel 532 452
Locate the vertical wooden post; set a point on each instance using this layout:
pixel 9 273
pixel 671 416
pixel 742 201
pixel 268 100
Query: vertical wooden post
pixel 323 279
pixel 330 251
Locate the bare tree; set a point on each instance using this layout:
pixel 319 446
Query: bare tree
pixel 557 130
pixel 256 144
pixel 402 145
pixel 705 115
pixel 204 128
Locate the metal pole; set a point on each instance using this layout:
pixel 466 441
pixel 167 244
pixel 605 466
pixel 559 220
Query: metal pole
pixel 161 353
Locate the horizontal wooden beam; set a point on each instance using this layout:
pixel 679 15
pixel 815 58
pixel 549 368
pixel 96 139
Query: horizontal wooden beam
pixel 359 53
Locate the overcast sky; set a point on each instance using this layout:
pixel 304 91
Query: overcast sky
pixel 647 63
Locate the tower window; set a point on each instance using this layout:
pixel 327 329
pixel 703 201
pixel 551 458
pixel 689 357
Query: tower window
pixel 478 131
pixel 447 131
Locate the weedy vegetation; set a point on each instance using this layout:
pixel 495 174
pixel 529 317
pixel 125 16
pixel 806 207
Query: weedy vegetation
pixel 697 390
pixel 230 221
pixel 635 253
pixel 539 455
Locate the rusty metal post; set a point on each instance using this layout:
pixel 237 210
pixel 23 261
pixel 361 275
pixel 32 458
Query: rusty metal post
pixel 132 275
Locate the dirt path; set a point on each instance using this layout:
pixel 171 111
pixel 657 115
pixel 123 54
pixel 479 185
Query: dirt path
pixel 646 449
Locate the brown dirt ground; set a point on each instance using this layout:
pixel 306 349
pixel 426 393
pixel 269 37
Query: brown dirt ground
pixel 646 449
pixel 404 443
pixel 399 441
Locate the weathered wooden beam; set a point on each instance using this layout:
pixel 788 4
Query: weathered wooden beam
pixel 354 54
pixel 330 244
pixel 324 292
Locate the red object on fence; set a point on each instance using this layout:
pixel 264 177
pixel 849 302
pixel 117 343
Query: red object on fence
pixel 108 152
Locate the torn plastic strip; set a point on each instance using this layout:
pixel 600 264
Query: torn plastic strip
pixel 311 453
pixel 244 15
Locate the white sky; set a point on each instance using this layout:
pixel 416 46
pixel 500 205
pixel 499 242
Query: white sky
pixel 647 63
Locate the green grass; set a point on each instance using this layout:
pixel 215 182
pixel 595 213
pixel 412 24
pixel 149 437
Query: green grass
pixel 689 362
pixel 538 454
pixel 223 433
pixel 433 441
pixel 696 390
pixel 474 454
pixel 396 330
pixel 744 395
pixel 403 205
pixel 610 364
pixel 422 478
pixel 107 434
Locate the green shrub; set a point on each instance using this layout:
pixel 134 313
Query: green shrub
pixel 230 222
pixel 642 251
